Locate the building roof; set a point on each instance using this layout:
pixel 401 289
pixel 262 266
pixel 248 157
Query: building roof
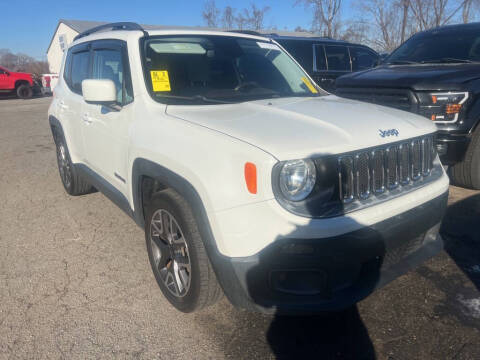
pixel 84 25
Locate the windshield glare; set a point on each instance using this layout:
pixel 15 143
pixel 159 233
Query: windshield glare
pixel 220 69
pixel 439 46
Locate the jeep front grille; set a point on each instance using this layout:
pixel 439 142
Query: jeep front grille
pixel 372 173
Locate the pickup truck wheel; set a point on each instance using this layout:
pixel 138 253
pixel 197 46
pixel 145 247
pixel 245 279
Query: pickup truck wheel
pixel 177 255
pixel 73 183
pixel 467 173
pixel 24 91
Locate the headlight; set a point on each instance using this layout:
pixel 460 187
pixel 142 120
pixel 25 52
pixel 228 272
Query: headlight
pixel 442 107
pixel 297 179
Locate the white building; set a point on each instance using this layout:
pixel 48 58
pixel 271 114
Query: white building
pixel 67 30
pixel 64 34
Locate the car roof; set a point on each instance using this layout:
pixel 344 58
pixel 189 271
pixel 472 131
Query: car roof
pixel 455 27
pixel 319 40
pixel 124 35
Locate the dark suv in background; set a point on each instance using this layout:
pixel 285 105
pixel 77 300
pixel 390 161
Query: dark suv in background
pixel 436 73
pixel 326 59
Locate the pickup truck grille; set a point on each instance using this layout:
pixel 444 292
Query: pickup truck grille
pixel 397 98
pixel 392 167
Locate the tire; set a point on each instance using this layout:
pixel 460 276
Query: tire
pixel 467 173
pixel 177 255
pixel 24 91
pixel 72 181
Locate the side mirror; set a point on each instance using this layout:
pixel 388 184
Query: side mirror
pixel 99 91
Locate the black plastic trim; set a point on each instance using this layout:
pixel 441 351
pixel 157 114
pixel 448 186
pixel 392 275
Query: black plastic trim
pixel 353 263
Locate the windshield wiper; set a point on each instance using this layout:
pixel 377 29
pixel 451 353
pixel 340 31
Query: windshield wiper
pixel 447 60
pixel 401 62
pixel 194 98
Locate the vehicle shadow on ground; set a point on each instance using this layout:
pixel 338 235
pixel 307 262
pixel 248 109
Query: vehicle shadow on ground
pixel 461 232
pixel 341 335
pixel 14 97
pixel 335 335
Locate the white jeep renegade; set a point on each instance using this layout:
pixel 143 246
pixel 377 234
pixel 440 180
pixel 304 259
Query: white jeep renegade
pixel 248 179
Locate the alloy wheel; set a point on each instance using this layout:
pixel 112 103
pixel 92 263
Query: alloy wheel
pixel 64 165
pixel 170 253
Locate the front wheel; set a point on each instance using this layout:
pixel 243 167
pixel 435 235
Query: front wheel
pixel 467 173
pixel 177 255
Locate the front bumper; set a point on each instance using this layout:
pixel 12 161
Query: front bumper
pixel 314 275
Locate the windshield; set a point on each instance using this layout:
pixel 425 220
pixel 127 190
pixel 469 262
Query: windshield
pixel 442 46
pixel 220 69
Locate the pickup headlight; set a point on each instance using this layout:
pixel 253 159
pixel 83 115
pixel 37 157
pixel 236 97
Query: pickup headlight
pixel 297 179
pixel 442 107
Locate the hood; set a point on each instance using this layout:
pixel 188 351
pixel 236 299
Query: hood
pixel 294 128
pixel 415 77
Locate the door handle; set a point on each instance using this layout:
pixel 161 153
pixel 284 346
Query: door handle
pixel 87 119
pixel 63 105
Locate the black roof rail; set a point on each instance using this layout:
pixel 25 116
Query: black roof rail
pixel 248 32
pixel 112 26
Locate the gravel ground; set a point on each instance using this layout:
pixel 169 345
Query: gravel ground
pixel 75 281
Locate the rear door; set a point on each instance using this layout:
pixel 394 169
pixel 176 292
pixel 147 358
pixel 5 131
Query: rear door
pixel 362 58
pixel 70 99
pixel 105 130
pixel 332 61
pixel 4 79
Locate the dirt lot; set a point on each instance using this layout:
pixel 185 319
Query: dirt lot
pixel 75 281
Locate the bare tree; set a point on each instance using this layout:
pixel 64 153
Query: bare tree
pixel 255 16
pixel 211 13
pixel 300 29
pixel 22 62
pixel 433 13
pixel 405 5
pixel 356 32
pixel 228 18
pixel 326 15
pixel 386 33
pixel 242 21
pixel 469 9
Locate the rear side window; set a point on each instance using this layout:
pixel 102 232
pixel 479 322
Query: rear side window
pixel 320 60
pixel 108 64
pixel 67 68
pixel 338 58
pixel 362 59
pixel 80 62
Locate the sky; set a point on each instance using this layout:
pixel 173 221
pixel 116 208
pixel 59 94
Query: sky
pixel 31 26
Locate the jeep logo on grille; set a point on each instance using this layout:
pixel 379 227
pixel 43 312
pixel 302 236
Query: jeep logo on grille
pixel 390 132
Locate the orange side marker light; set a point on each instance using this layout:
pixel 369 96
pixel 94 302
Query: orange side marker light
pixel 251 177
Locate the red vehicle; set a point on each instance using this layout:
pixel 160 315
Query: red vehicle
pixel 21 84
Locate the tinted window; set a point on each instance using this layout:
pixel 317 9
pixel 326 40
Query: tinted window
pixel 2 72
pixel 108 64
pixel 439 46
pixel 338 58
pixel 362 59
pixel 320 60
pixel 218 69
pixel 68 68
pixel 301 51
pixel 79 70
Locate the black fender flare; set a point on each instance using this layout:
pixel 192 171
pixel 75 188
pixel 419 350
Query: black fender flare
pixel 221 264
pixel 56 128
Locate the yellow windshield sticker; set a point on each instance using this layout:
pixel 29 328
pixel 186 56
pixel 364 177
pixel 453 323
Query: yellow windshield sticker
pixel 160 80
pixel 309 85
